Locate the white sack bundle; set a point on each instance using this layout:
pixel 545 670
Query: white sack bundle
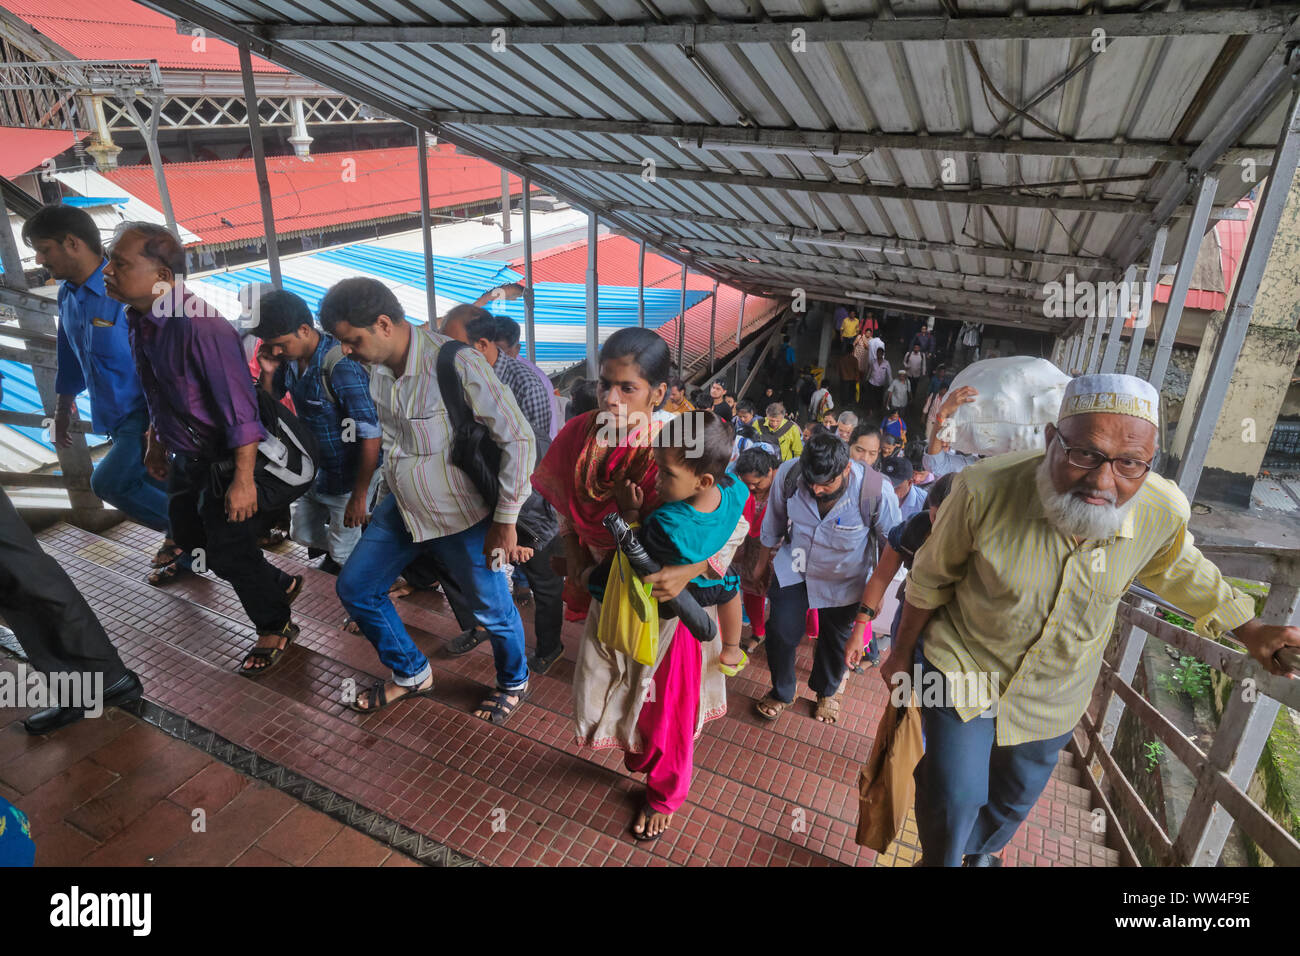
pixel 1017 397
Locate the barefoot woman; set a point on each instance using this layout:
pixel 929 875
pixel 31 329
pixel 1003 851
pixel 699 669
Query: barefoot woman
pixel 652 712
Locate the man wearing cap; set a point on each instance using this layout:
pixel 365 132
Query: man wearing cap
pixel 898 470
pixel 1016 592
pixel 331 395
pixel 823 530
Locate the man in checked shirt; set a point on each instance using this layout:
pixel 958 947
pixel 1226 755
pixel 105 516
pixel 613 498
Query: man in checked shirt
pixel 434 507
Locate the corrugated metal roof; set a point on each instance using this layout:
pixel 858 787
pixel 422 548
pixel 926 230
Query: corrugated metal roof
pixel 218 200
pixel 990 144
pixel 22 150
pixel 122 30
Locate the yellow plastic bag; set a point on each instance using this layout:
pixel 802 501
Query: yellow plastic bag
pixel 629 617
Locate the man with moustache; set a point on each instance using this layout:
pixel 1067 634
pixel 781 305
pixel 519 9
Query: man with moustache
pixel 1018 584
pixel 825 514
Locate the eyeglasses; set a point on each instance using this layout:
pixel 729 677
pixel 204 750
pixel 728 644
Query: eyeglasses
pixel 1092 460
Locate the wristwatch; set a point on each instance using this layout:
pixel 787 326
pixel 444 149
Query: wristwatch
pixel 868 610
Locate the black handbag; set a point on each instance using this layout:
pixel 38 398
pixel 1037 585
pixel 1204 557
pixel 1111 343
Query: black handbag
pixel 286 458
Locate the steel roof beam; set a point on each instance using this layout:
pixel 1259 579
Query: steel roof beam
pixel 977 197
pixel 1220 21
pixel 1006 282
pixel 821 140
pixel 1005 303
pixel 870 243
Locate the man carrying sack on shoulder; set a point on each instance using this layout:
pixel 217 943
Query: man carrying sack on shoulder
pixel 1014 596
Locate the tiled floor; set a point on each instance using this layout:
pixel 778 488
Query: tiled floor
pixel 117 792
pixel 763 794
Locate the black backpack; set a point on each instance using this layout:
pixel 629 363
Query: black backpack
pixel 473 449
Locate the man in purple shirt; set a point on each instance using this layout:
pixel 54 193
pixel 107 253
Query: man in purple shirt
pixel 203 412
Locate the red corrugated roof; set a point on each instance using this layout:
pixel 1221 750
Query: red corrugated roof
pixel 328 190
pixel 22 150
pixel 616 264
pixel 1231 234
pixel 122 30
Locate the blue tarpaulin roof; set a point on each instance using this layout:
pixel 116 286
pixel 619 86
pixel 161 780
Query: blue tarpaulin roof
pixel 560 309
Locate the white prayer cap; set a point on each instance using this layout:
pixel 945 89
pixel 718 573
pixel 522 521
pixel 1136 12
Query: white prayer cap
pixel 1111 395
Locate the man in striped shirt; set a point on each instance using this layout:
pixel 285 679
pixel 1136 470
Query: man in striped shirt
pixel 434 507
pixel 1014 596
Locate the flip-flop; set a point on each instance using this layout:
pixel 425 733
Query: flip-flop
pixel 166 554
pixel 647 837
pixel 731 670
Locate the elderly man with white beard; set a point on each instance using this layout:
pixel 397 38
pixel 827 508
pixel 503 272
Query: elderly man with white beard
pixel 1016 592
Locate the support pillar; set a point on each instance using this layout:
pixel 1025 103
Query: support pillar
pixel 300 139
pixel 529 333
pixel 824 346
pixel 426 225
pixel 1139 337
pixel 259 164
pixel 1182 280
pixel 593 314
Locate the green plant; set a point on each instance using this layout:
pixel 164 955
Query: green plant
pixel 1153 751
pixel 1189 676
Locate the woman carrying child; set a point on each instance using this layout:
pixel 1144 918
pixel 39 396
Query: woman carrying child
pixel 652 712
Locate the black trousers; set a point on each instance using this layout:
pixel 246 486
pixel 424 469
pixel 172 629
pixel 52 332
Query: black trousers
pixel 230 549
pixel 785 629
pixel 546 585
pixel 52 621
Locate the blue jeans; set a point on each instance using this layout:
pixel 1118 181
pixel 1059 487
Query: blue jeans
pixel 972 794
pixel 384 550
pixel 121 480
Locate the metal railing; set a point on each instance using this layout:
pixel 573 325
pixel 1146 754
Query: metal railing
pixel 1223 772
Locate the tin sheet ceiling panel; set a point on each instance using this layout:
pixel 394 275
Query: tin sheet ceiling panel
pixel 1161 89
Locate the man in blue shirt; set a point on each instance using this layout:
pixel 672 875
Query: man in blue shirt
pixel 823 530
pixel 94 353
pixel 331 395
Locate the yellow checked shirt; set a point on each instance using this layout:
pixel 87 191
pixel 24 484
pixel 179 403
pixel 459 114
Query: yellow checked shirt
pixel 1016 599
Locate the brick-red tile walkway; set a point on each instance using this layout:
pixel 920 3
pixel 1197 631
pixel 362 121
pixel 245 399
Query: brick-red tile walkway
pixel 118 792
pixel 763 794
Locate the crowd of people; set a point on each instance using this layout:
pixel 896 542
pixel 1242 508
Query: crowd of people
pixel 664 523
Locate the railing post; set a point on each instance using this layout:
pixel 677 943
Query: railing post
pixel 1094 354
pixel 1238 744
pixel 640 285
pixel 1111 705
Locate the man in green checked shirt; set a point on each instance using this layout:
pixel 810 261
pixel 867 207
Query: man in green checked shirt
pixel 1017 589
